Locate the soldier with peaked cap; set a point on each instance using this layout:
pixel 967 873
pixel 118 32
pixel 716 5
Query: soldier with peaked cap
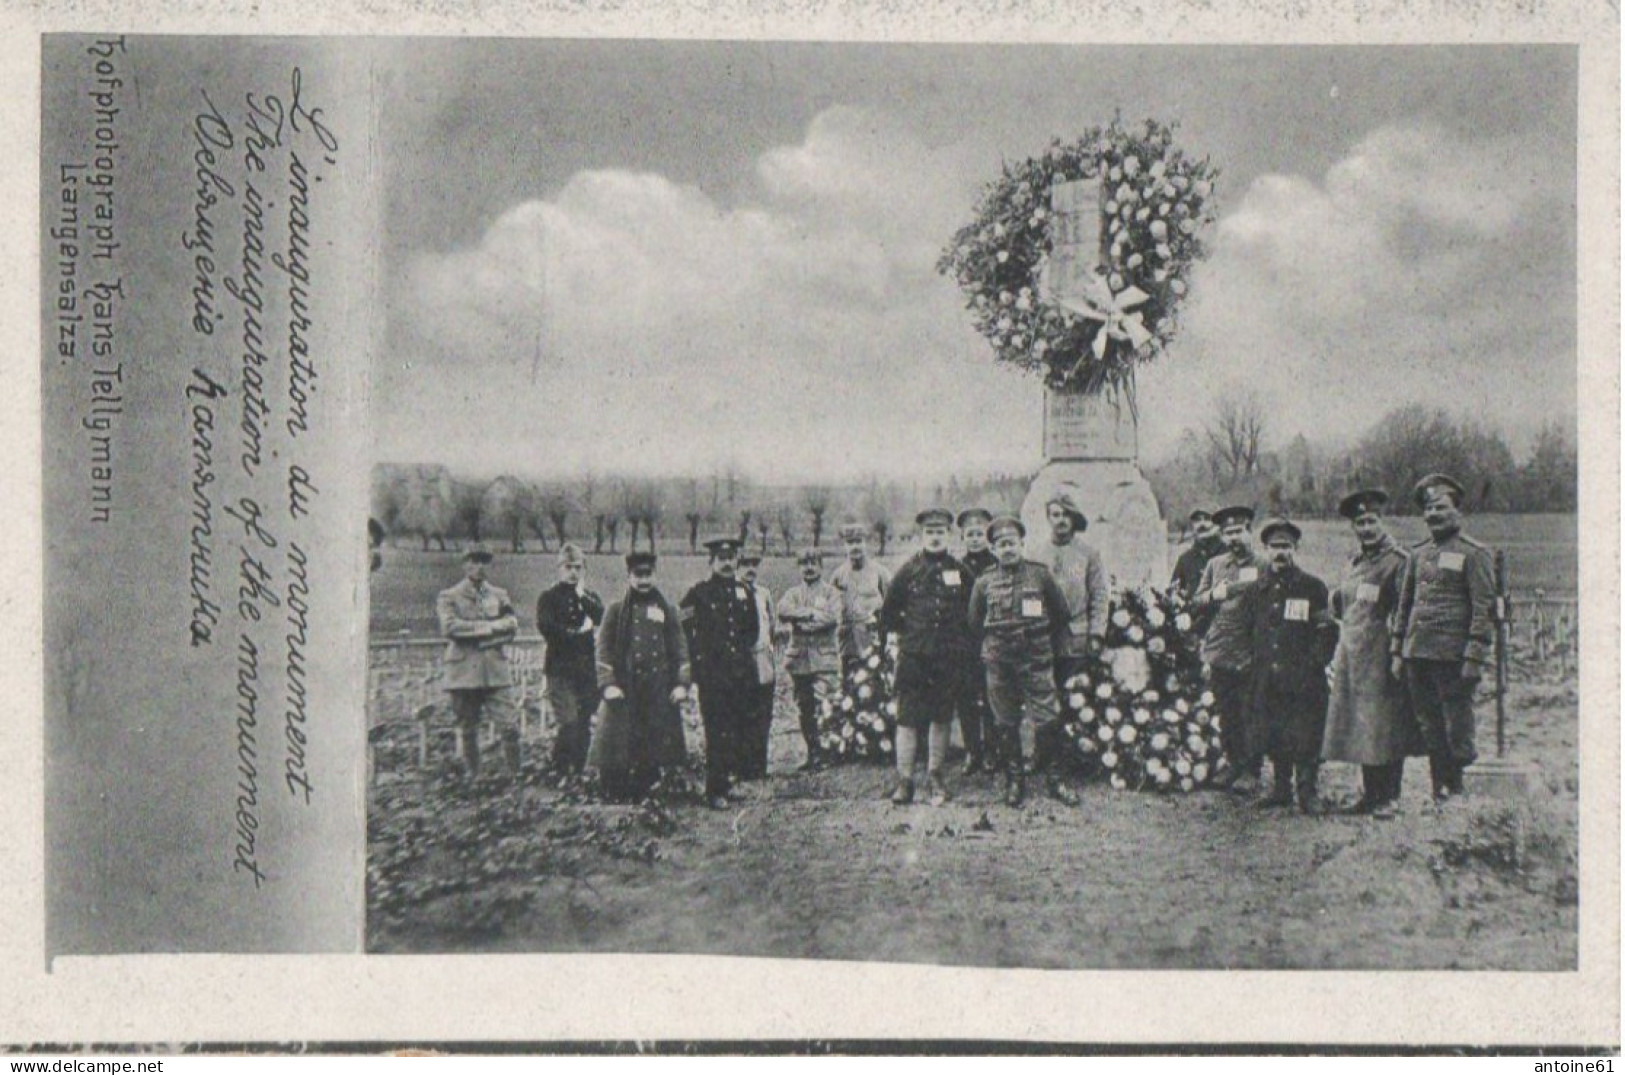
pixel 1078 570
pixel 811 611
pixel 478 621
pixel 1020 618
pixel 1206 543
pixel 1227 650
pixel 1368 720
pixel 1444 635
pixel 862 585
pixel 980 733
pixel 1293 636
pixel 720 616
pixel 643 672
pixel 926 608
pixel 766 656
pixel 567 616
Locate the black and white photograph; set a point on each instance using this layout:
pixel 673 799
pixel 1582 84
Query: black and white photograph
pixel 639 526
pixel 861 502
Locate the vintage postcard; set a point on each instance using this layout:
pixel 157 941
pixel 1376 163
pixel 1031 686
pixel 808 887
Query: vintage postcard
pixel 1097 524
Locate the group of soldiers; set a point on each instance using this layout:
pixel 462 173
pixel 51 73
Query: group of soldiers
pixel 1381 667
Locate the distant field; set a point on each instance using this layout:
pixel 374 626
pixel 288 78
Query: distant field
pixel 1542 553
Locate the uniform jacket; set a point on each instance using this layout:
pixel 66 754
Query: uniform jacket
pixel 478 623
pixel 1228 642
pixel 561 611
pixel 722 622
pixel 1077 569
pixel 813 646
pixel 642 651
pixel 863 591
pixel 1293 637
pixel 980 562
pixel 927 607
pixel 1445 598
pixel 767 630
pixel 1187 576
pixel 1368 720
pixel 1019 613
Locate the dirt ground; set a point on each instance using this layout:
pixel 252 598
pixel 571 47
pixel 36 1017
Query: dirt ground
pixel 822 866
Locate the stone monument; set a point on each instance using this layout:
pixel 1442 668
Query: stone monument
pixel 1091 439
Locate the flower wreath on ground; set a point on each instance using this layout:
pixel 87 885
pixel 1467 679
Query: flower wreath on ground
pixel 1154 202
pixel 1164 735
pixel 860 723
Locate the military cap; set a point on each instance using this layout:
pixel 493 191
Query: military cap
pixel 1068 496
pixel 940 516
pixel 1280 526
pixel 1236 513
pixel 722 546
pixel 810 556
pixel 1198 514
pixel 570 553
pixel 974 515
pixel 636 560
pixel 1438 481
pixel 1005 523
pixel 478 552
pixel 748 559
pixel 854 532
pixel 1358 503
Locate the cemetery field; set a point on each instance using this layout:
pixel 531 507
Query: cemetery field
pixel 1542 554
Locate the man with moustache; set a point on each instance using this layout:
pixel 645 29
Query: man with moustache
pixel 1206 543
pixel 1020 617
pixel 766 657
pixel 477 620
pixel 1227 651
pixel 1444 635
pixel 925 608
pixel 567 615
pixel 862 585
pixel 1078 570
pixel 719 614
pixel 1293 636
pixel 642 670
pixel 811 612
pixel 1369 721
pixel 976 725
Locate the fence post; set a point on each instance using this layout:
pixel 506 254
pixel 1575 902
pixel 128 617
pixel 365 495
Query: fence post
pixel 1539 622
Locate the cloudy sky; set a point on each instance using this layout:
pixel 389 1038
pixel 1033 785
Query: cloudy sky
pixel 659 256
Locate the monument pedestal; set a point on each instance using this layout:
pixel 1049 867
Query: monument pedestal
pixel 1091 443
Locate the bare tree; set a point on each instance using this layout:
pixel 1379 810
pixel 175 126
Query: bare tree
pixel 764 527
pixel 1236 435
pixel 555 505
pixel 816 498
pixel 507 508
pixel 428 505
pixel 694 510
pixel 784 517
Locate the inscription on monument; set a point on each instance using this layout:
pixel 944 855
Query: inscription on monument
pixel 1078 426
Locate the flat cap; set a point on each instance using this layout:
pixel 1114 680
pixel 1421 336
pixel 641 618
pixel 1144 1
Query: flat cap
pixel 854 531
pixel 1235 513
pixel 1438 481
pixel 974 515
pixel 810 556
pixel 636 560
pixel 479 552
pixel 1272 527
pixel 937 516
pixel 1361 501
pixel 1198 514
pixel 1003 525
pixel 723 546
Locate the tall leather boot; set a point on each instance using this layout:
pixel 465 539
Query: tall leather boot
pixel 1046 757
pixel 1015 766
pixel 1307 775
pixel 1281 789
pixel 468 733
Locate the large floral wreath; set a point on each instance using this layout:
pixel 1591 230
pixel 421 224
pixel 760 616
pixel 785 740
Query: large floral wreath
pixel 1155 200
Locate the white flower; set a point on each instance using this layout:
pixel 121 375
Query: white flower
pixel 885 746
pixel 1087 746
pixel 1162 210
pixel 1004 256
pixel 1158 168
pixel 1111 208
pixel 1041 346
pixel 1199 770
pixel 1170 716
pixel 1113 715
pixel 1135 634
pixel 1039 214
pixel 1103 691
pixel 1115 174
pixel 1116 282
pixel 1005 324
pixel 1155 645
pixel 1118 783
pixel 1143 214
pixel 1160 275
pixel 1105 733
pixel 1155 617
pixel 1180 182
pixel 1197 744
pixel 1075 701
pixel 1135 261
pixel 891 709
pixel 998 231
pixel 848 732
pixel 865 692
pixel 1120 617
pixel 1206 699
pixel 1187 784
pixel 1127 734
pixel 860 676
pixel 1151 697
pixel 1018 340
pixel 1181 705
pixel 1024 303
pixel 1183 622
pixel 1187 226
pixel 1177 287
pixel 1125 193
pixel 1085 713
pixel 1006 298
pixel 1142 716
pixel 1109 759
pixel 1164 251
pixel 1131 166
pixel 1182 766
pixel 1203 188
pixel 1163 776
pixel 1159 741
pixel 846 705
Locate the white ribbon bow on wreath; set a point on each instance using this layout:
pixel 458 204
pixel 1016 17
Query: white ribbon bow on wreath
pixel 1112 309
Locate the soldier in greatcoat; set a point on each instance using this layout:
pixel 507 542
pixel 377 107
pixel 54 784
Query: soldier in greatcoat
pixel 1444 636
pixel 978 728
pixel 1227 648
pixel 1369 721
pixel 720 616
pixel 477 620
pixel 1021 618
pixel 926 609
pixel 810 612
pixel 1293 638
pixel 643 674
